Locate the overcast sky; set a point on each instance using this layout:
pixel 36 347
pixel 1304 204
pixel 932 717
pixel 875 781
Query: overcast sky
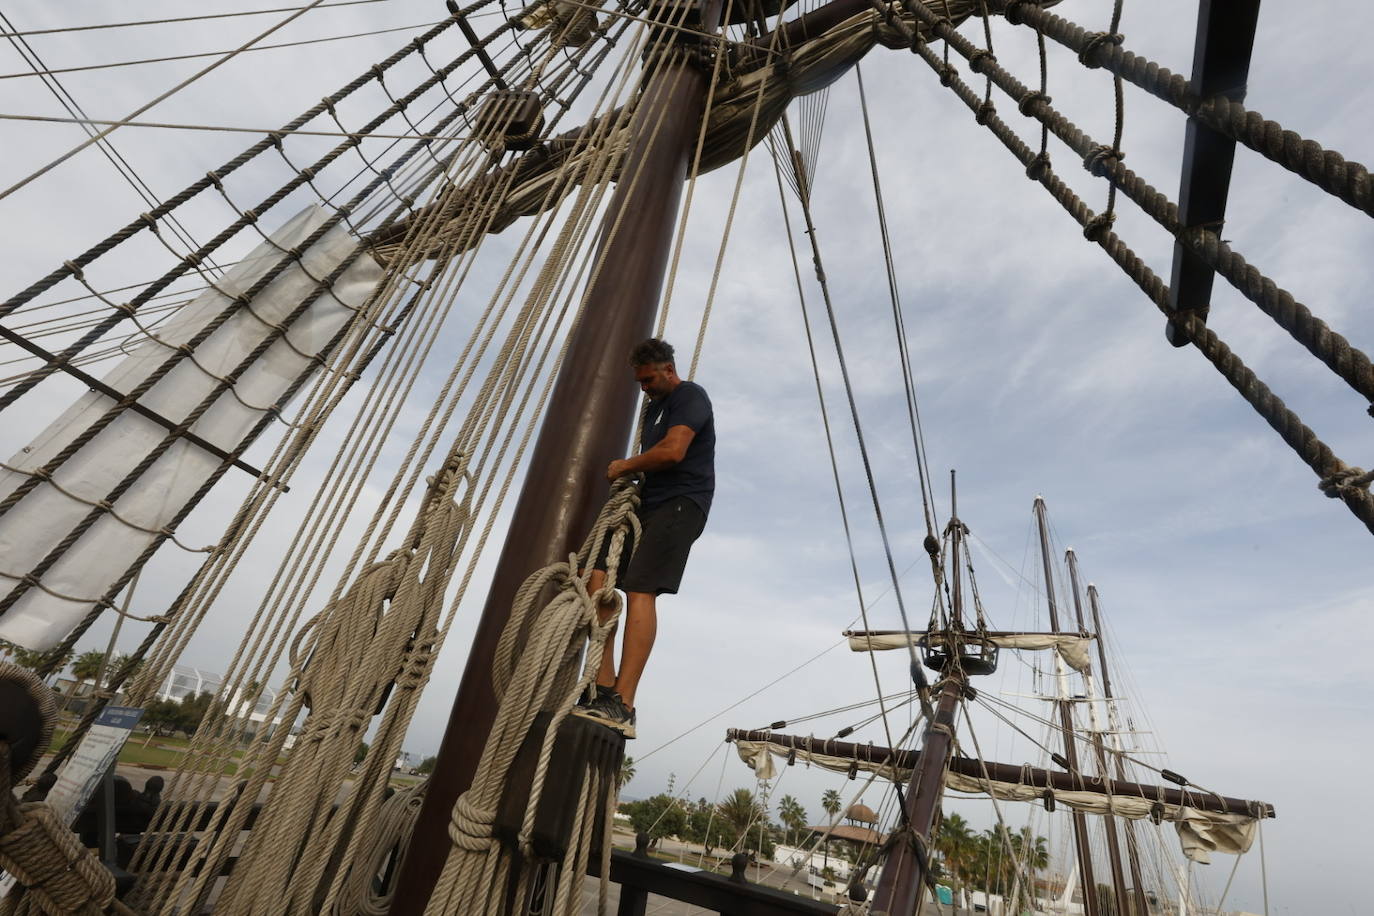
pixel 1238 598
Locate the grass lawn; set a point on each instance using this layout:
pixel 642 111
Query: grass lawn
pixel 159 752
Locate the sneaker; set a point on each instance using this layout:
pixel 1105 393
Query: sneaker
pixel 611 712
pixel 602 692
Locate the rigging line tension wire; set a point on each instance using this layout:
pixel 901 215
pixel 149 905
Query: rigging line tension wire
pixel 121 165
pixel 137 22
pixel 53 119
pixel 778 171
pixel 903 349
pixel 854 417
pixel 203 54
pixel 43 170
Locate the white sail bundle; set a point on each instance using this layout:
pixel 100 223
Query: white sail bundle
pixel 1073 649
pixel 1199 832
pixel 91 566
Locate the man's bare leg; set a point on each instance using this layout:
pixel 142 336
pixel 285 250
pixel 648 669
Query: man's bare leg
pixel 605 676
pixel 641 626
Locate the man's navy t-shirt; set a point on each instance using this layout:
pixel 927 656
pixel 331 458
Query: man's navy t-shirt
pixel 695 475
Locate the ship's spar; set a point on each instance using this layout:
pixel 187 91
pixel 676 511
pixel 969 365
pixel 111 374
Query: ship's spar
pixel 963 649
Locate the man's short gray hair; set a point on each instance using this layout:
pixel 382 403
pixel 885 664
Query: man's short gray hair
pixel 651 352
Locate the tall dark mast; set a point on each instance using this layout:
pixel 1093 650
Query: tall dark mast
pixel 1080 821
pixel 1142 906
pixel 908 866
pixel 588 420
pixel 1099 751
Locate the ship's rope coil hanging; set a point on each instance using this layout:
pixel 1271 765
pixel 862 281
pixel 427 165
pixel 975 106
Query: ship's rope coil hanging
pixel 56 874
pixel 376 638
pixel 547 656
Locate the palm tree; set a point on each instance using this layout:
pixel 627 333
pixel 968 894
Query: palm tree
pixel 87 666
pixel 792 815
pixel 957 844
pixel 830 801
pixel 627 771
pixel 741 810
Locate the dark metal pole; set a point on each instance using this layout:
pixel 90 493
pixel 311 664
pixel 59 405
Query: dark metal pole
pixel 1099 751
pixel 587 423
pixel 1132 850
pixel 1080 823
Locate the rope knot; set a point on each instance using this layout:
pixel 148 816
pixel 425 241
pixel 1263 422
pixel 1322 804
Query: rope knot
pixel 985 113
pixel 1096 229
pixel 1096 42
pixel 1101 159
pixel 1015 13
pixel 1029 99
pixel 1347 483
pixel 1038 166
pixel 979 60
pixel 470 827
pixel 946 75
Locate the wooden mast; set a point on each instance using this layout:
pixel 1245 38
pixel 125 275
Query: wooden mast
pixel 907 867
pixel 588 421
pixel 1080 822
pixel 1100 752
pixel 1142 906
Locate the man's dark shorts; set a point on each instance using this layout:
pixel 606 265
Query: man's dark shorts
pixel 668 532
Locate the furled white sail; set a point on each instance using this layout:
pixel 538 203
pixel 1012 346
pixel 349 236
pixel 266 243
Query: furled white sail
pixel 45 516
pixel 1071 648
pixel 1199 832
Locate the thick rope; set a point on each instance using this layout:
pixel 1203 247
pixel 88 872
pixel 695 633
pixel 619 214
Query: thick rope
pixel 1335 351
pixel 1327 169
pixel 389 841
pixel 557 662
pixel 57 876
pixel 42 696
pixel 483 412
pixel 1304 442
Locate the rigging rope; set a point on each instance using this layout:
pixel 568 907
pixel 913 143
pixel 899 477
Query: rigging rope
pixel 51 71
pixel 43 170
pixel 544 674
pixel 202 17
pixel 1315 453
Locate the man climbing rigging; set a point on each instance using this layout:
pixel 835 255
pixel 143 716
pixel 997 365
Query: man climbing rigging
pixel 677 458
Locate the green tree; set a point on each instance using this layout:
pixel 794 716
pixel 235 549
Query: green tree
pixel 161 717
pixel 427 765
pixel 830 803
pixel 747 819
pixel 659 816
pixel 627 771
pixel 793 817
pixel 87 665
pixel 706 828
pixel 957 846
pixel 192 710
pixel 361 753
pixel 28 658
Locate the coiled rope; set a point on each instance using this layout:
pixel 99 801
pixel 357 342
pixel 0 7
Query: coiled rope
pixel 557 662
pixel 57 876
